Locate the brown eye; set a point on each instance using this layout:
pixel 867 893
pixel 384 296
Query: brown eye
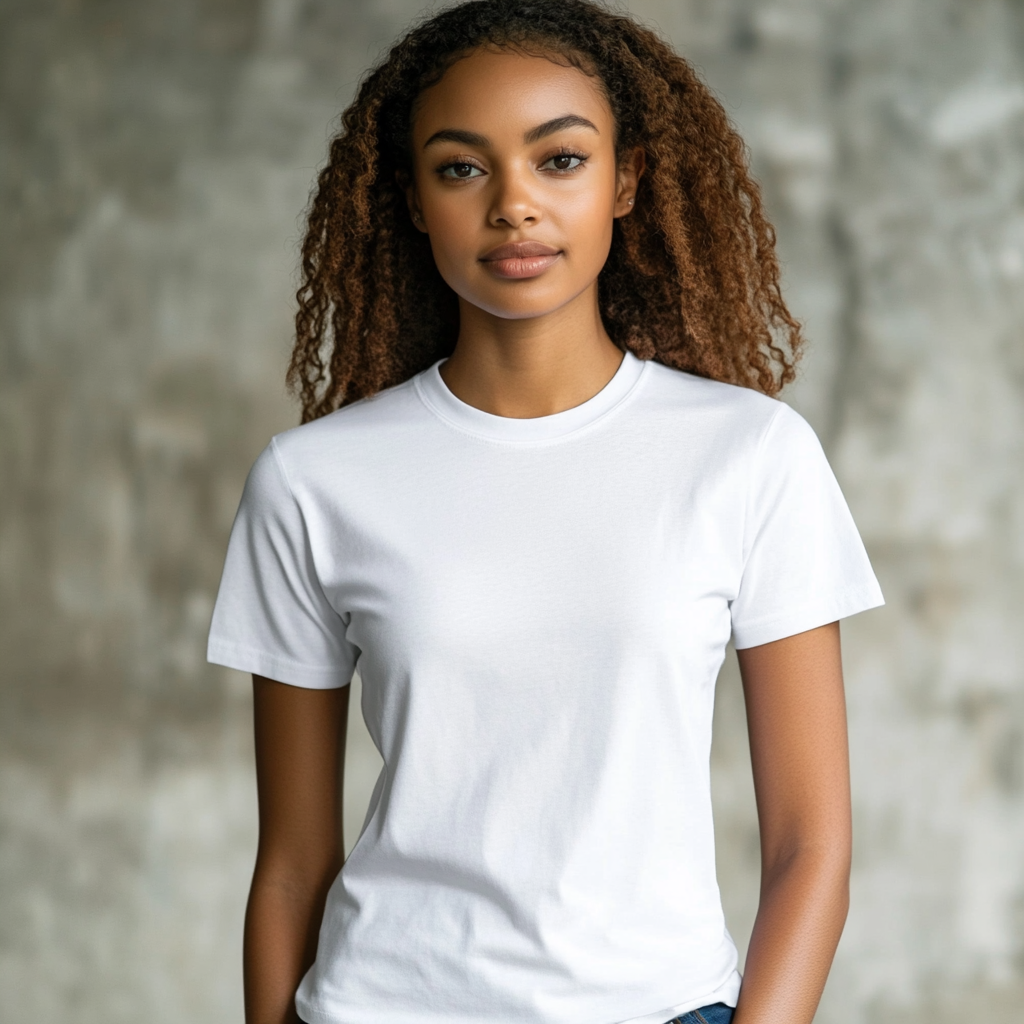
pixel 461 170
pixel 563 162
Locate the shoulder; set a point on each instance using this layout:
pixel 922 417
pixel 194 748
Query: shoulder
pixel 394 406
pixel 725 412
pixel 347 442
pixel 361 431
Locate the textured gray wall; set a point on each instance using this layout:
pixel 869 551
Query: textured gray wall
pixel 155 159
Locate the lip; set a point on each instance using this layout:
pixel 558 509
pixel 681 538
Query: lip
pixel 518 260
pixel 519 251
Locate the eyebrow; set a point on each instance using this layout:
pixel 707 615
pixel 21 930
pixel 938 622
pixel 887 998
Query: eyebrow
pixel 556 124
pixel 458 135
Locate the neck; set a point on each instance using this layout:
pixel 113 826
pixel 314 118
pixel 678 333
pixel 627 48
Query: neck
pixel 533 367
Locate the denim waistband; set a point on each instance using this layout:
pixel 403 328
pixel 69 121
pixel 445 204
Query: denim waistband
pixel 715 1013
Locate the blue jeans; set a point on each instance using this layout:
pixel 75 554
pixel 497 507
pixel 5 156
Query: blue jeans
pixel 716 1013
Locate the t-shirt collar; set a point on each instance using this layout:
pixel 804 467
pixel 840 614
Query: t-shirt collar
pixel 435 394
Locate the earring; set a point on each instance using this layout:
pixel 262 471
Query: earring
pixel 630 201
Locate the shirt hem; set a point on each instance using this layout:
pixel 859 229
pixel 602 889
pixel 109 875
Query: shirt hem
pixel 777 627
pixel 727 992
pixel 281 670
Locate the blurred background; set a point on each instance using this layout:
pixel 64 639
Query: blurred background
pixel 156 158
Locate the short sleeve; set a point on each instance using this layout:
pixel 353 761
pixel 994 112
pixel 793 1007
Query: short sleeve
pixel 272 617
pixel 804 562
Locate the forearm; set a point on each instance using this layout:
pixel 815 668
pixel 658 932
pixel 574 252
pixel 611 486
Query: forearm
pixel 800 918
pixel 282 921
pixel 796 716
pixel 300 753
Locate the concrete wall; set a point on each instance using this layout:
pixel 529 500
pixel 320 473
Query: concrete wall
pixel 156 158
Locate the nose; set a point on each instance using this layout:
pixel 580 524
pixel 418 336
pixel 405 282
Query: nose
pixel 513 203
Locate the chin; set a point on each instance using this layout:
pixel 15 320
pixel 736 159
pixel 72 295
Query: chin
pixel 519 313
pixel 522 307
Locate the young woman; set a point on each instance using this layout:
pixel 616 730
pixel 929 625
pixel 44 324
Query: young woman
pixel 541 481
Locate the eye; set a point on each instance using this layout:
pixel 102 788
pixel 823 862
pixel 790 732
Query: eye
pixel 564 162
pixel 461 170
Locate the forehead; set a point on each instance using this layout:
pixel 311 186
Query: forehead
pixel 496 91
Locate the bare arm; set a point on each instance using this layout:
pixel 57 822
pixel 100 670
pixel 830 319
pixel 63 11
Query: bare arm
pixel 300 750
pixel 796 715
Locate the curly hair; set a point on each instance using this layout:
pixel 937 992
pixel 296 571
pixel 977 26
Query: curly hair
pixel 692 279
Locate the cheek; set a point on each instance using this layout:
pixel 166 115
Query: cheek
pixel 585 218
pixel 454 241
pixel 454 221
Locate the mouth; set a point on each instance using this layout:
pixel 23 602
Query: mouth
pixel 518 260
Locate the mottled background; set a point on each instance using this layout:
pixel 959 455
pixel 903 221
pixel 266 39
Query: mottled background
pixel 155 160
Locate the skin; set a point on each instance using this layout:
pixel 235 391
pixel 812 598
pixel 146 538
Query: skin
pixel 530 346
pixel 796 719
pixel 300 754
pixel 536 346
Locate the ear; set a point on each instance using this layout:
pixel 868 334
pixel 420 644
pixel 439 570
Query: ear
pixel 405 182
pixel 631 169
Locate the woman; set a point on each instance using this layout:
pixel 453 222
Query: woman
pixel 541 481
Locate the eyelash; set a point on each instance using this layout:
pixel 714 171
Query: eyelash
pixel 571 153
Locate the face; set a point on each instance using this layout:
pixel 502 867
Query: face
pixel 516 181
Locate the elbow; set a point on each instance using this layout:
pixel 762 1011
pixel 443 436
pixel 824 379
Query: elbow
pixel 298 876
pixel 819 867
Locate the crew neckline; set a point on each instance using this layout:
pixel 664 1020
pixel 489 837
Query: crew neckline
pixel 444 404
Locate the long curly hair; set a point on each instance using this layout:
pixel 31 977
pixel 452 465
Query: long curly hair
pixel 692 279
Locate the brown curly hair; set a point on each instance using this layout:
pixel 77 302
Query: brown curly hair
pixel 692 279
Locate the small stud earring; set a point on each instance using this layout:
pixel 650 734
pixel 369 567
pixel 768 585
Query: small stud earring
pixel 630 202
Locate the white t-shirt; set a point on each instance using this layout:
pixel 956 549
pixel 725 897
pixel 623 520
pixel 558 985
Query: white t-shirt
pixel 538 609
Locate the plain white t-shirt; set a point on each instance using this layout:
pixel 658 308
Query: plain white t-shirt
pixel 538 609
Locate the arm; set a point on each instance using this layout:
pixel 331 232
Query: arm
pixel 300 751
pixel 796 716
